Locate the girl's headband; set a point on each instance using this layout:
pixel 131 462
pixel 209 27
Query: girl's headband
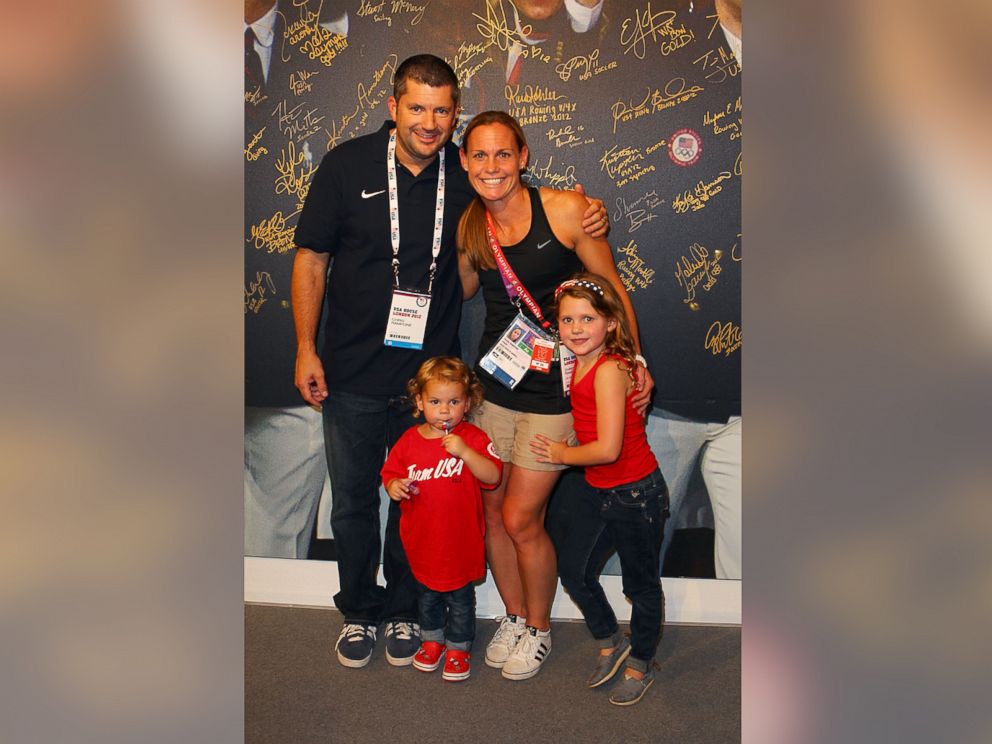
pixel 578 283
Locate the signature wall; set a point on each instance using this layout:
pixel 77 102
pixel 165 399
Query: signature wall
pixel 643 108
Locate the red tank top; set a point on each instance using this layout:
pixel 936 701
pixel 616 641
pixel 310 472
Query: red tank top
pixel 636 460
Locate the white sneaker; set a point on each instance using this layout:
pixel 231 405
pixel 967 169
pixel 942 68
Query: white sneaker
pixel 510 630
pixel 530 652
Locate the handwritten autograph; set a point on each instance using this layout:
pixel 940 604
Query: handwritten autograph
pixel 545 175
pixel 569 136
pixel 252 154
pixel 273 235
pixel 634 32
pixel 723 338
pixel 299 81
pixel 297 123
pixel 624 164
pixel 381 15
pixel 637 212
pixel 632 270
pixel 255 97
pixel 256 292
pixel 700 196
pixel 317 41
pixel 676 92
pixel 295 172
pixel 695 269
pixel 368 95
pixel 588 64
pixel 718 65
pixel 723 121
pixel 465 62
pixel 495 29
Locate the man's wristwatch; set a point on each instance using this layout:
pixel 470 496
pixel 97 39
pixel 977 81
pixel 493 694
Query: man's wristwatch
pixel 641 360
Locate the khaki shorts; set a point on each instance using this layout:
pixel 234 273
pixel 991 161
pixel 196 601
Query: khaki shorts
pixel 511 432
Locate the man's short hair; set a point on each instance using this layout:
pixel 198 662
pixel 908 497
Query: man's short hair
pixel 426 69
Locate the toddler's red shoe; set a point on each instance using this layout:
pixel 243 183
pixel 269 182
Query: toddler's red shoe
pixel 429 656
pixel 456 665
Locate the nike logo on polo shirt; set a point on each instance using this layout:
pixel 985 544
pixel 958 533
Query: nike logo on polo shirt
pixel 541 245
pixel 374 193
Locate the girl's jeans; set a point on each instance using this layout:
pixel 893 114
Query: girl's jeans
pixel 631 519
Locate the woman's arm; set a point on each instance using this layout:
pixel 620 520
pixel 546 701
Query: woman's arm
pixel 611 386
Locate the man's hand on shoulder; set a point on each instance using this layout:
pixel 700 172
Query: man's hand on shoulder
pixel 595 220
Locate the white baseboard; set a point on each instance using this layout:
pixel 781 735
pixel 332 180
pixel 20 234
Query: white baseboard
pixel 313 583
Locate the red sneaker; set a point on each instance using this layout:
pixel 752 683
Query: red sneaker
pixel 456 665
pixel 429 656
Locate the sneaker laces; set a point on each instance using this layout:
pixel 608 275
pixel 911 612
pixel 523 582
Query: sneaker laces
pixel 400 629
pixel 528 646
pixel 506 632
pixel 352 632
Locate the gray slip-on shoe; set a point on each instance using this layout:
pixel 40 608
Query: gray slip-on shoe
pixel 631 690
pixel 607 666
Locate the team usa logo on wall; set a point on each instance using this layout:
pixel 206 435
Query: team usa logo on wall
pixel 684 147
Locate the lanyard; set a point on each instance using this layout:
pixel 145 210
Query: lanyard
pixel 514 288
pixel 394 212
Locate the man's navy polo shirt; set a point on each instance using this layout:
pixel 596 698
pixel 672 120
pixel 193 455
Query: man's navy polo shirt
pixel 346 214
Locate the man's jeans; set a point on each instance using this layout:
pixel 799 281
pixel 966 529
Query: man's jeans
pixel 630 519
pixel 357 431
pixel 448 617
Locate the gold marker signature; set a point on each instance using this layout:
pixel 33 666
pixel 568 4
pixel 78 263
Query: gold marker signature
pixel 368 96
pixel 318 42
pixel 632 270
pixel 256 292
pixel 676 92
pixel 718 65
pixel 700 196
pixel 624 164
pixel 723 338
pixel 294 172
pixel 251 154
pixel 638 211
pixel 725 120
pixel 299 81
pixel 588 64
pixel 296 123
pixel 635 31
pixel 546 176
pixel 464 62
pixel 273 235
pixel 695 269
pixel 495 29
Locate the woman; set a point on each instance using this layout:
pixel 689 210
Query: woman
pixel 536 236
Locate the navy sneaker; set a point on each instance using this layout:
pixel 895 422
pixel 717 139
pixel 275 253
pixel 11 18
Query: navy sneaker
pixel 402 642
pixel 355 644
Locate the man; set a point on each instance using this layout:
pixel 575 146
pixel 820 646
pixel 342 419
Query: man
pixel 393 300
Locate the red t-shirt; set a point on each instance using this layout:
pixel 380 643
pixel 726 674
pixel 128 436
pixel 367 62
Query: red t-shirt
pixel 442 527
pixel 636 459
